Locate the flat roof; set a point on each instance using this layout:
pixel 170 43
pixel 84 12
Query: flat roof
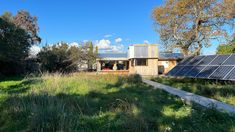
pixel 168 56
pixel 124 56
pixel 113 55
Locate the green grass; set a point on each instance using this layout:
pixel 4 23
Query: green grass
pixel 219 90
pixel 99 103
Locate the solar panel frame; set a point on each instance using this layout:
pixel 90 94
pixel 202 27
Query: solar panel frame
pixel 230 75
pixel 207 60
pixel 184 61
pixel 221 72
pixel 207 71
pixel 219 60
pixel 196 60
pixel 195 71
pixel 184 71
pixel 174 70
pixel 220 67
pixel 230 60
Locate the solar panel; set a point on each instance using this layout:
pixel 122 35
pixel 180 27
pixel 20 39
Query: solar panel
pixel 221 72
pixel 230 60
pixel 195 71
pixel 211 67
pixel 207 60
pixel 184 71
pixel 185 61
pixel 231 75
pixel 219 59
pixel 195 60
pixel 207 71
pixel 174 70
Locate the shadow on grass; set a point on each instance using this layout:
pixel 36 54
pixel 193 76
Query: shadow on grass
pixel 134 107
pixel 22 87
pixel 13 78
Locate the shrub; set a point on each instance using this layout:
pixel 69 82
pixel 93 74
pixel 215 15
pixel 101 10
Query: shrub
pixel 134 78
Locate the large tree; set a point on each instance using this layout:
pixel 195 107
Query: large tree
pixel 16 37
pixel 190 25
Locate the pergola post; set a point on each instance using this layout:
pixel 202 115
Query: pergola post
pixel 98 65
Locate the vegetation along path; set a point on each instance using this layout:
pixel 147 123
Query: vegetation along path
pixel 190 97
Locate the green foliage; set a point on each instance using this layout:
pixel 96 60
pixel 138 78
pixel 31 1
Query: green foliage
pixel 226 48
pixel 219 90
pixel 64 58
pixel 90 53
pixel 56 58
pixel 14 48
pixel 82 102
pixel 17 34
pixel 135 78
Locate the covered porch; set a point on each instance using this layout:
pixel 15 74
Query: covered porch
pixel 113 66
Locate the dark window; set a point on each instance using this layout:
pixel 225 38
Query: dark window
pixel 161 69
pixel 141 62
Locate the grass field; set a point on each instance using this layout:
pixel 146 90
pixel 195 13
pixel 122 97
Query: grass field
pixel 99 103
pixel 219 90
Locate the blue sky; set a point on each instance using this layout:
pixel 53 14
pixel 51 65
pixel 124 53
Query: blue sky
pixel 112 24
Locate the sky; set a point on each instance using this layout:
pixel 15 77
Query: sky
pixel 111 24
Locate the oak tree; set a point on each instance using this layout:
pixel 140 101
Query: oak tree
pixel 190 25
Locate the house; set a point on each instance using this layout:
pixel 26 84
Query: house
pixel 143 59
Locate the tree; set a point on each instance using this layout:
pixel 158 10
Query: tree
pixel 24 20
pixel 59 58
pixel 13 48
pixel 190 25
pixel 90 54
pixel 226 48
pixel 16 37
pixel 62 57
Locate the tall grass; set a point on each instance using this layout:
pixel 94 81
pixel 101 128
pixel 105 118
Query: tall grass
pixel 83 102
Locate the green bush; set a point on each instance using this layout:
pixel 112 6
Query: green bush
pixel 134 78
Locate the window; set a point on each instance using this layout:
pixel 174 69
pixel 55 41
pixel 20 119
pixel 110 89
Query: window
pixel 141 62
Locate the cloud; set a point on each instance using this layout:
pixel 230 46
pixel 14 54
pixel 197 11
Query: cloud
pixel 108 35
pixel 118 40
pixel 117 48
pixel 146 42
pixel 106 46
pixel 74 44
pixel 103 44
pixel 34 50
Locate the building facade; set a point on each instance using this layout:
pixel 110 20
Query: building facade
pixel 141 59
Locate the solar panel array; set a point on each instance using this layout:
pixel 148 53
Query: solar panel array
pixel 220 67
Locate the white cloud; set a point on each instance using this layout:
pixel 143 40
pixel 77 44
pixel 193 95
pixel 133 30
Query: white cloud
pixel 74 44
pixel 146 42
pixel 118 40
pixel 106 46
pixel 117 48
pixel 34 50
pixel 108 35
pixel 103 44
